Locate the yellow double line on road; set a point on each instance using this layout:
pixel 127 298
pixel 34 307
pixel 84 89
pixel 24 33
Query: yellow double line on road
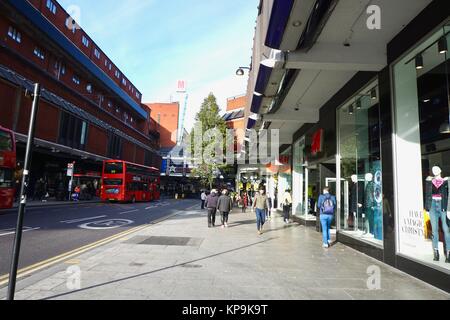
pixel 65 256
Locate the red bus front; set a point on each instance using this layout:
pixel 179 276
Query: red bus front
pixel 7 167
pixel 113 181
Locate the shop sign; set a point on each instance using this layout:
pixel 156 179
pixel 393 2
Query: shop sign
pixel 317 142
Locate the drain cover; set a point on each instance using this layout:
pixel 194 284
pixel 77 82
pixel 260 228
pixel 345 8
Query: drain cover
pixel 167 241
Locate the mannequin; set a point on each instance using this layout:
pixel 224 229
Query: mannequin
pixel 436 203
pixel 356 199
pixel 369 204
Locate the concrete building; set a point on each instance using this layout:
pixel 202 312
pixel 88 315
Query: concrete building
pixel 359 93
pixel 89 111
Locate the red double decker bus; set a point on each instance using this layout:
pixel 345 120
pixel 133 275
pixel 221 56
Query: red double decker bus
pixel 7 167
pixel 128 182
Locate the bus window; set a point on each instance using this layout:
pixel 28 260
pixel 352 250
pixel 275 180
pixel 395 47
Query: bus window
pixel 6 178
pixel 6 143
pixel 113 168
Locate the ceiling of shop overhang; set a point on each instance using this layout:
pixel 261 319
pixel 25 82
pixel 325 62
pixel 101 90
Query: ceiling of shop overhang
pixel 319 82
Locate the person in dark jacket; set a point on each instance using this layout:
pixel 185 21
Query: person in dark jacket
pixel 225 205
pixel 211 205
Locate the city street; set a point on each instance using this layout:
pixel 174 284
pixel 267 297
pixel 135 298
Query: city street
pixel 54 231
pixel 180 258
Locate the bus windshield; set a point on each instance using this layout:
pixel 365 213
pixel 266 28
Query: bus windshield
pixel 113 168
pixel 112 182
pixel 6 143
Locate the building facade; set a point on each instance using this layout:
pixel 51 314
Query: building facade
pixel 364 111
pixel 89 110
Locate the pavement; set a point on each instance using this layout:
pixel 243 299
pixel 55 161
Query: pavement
pixel 57 231
pixel 180 258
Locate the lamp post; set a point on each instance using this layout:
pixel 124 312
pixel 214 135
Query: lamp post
pixel 241 71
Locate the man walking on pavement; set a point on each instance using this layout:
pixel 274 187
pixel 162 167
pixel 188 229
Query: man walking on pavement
pixel 260 205
pixel 203 198
pixel 225 205
pixel 211 205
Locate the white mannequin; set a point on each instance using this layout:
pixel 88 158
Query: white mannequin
pixel 437 171
pixel 369 177
pixel 354 178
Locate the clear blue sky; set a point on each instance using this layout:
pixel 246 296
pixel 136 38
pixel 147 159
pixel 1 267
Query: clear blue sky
pixel 157 42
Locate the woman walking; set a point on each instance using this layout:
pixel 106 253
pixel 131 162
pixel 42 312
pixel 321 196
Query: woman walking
pixel 260 206
pixel 287 203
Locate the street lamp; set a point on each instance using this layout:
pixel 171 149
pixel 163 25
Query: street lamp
pixel 240 72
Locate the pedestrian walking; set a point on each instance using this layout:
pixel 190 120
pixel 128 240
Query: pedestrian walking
pixel 243 202
pixel 327 205
pixel 211 205
pixel 225 206
pixel 287 204
pixel 203 198
pixel 260 206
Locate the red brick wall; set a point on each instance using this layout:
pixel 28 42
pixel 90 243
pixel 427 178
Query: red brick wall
pixel 169 113
pixel 97 141
pixel 47 114
pixel 128 151
pixel 236 103
pixel 7 104
pixel 140 155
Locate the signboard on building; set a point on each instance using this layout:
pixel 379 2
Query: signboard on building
pixel 181 86
pixel 317 142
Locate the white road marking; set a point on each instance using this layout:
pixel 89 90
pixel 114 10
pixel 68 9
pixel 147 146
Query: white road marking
pixel 106 224
pixel 13 231
pixel 129 211
pixel 81 220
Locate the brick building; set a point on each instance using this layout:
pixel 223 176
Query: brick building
pixel 89 110
pixel 166 116
pixel 235 118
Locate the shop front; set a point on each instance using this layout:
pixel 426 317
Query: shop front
pixel 284 177
pixel 359 167
pixel 314 168
pixel 421 102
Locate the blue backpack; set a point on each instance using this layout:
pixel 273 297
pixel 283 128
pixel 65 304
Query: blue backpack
pixel 328 206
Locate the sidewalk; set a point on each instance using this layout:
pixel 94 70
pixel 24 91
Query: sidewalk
pixel 180 258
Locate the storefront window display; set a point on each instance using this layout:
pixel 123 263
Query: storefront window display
pixel 284 176
pixel 298 179
pixel 360 166
pixel 422 148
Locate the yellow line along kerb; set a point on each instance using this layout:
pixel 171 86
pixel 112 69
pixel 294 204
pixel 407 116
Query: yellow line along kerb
pixel 65 256
pixel 46 263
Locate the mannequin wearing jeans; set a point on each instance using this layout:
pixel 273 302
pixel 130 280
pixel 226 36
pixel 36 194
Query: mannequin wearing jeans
pixel 369 205
pixel 437 204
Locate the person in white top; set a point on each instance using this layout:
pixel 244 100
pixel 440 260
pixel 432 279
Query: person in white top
pixel 203 198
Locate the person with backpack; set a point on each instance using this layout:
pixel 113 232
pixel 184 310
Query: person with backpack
pixel 327 205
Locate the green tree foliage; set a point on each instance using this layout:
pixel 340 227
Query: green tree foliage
pixel 209 117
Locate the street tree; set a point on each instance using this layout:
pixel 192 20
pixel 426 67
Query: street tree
pixel 207 119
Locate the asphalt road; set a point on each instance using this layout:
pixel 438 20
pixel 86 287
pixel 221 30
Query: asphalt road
pixel 52 231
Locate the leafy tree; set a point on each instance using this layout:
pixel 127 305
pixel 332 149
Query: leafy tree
pixel 208 118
